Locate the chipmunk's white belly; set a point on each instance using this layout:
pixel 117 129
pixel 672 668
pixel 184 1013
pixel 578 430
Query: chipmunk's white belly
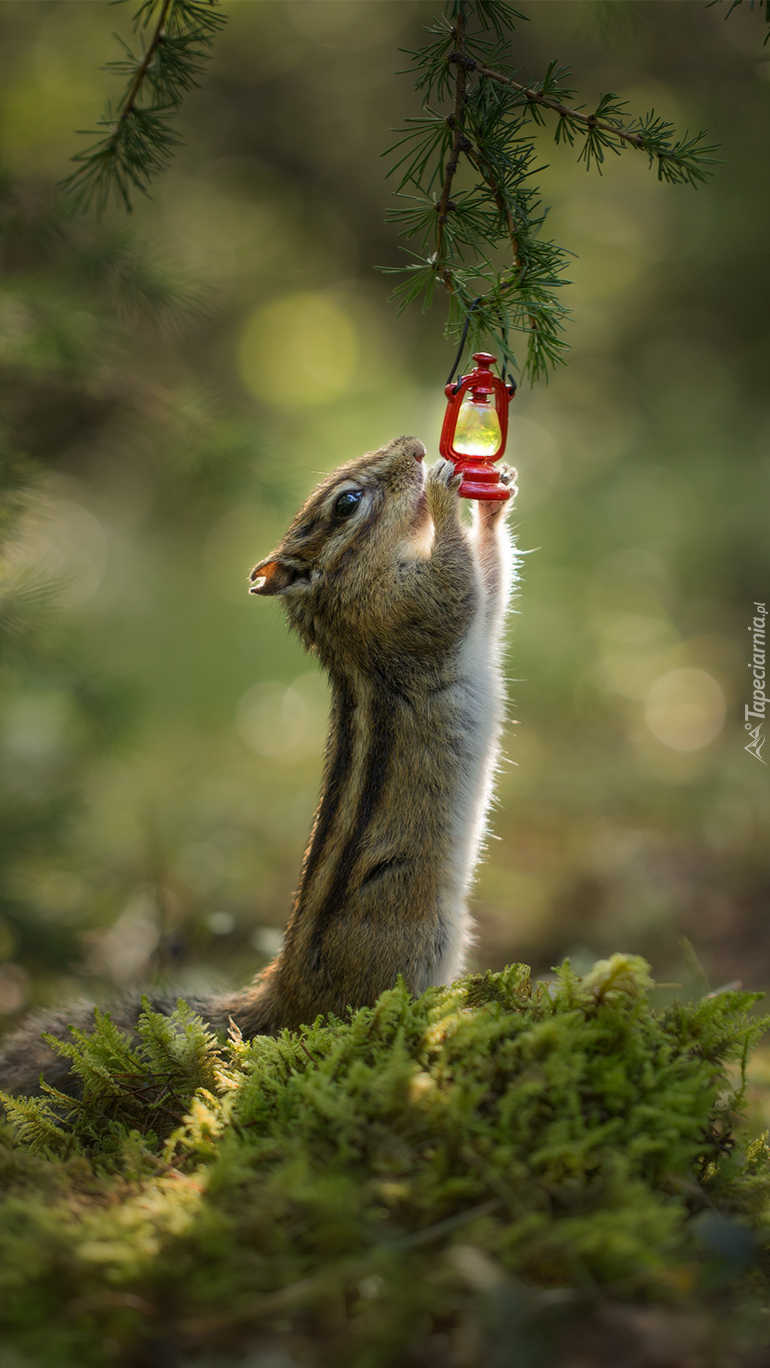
pixel 479 696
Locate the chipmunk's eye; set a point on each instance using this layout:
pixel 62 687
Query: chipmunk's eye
pixel 347 503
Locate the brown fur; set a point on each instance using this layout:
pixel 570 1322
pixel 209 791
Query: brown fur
pixel 403 606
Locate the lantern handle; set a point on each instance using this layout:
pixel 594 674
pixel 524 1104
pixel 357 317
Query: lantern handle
pixel 461 347
pixel 511 382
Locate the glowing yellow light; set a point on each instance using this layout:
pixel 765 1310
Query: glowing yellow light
pixel 478 428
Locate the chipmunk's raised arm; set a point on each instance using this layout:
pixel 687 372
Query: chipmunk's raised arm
pixel 436 595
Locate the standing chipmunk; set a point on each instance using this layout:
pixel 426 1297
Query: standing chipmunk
pixel 404 607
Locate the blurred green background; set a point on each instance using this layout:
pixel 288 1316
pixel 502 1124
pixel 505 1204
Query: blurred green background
pixel 178 384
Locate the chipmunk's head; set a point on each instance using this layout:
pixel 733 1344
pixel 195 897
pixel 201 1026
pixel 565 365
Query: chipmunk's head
pixel 359 520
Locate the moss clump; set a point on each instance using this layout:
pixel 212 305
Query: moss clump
pixel 451 1179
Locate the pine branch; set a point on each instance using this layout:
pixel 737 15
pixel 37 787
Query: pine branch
pixel 459 143
pixel 141 140
pixel 490 132
pixel 687 160
pixel 133 90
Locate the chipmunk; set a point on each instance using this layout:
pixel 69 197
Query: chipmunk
pixel 404 607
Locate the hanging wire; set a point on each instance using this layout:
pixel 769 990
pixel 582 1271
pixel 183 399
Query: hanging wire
pixel 510 377
pixel 511 382
pixel 461 347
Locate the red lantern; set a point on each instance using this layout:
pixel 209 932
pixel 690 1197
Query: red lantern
pixel 476 427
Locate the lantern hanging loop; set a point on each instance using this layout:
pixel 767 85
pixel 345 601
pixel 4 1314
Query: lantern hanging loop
pixel 461 347
pixel 508 379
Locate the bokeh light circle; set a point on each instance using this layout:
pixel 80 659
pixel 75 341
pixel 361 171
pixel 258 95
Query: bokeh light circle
pixel 685 709
pixel 299 350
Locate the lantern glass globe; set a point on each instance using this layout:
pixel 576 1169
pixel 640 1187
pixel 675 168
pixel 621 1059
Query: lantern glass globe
pixel 478 431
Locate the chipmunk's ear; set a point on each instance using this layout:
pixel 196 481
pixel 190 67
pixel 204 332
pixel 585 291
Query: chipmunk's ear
pixel 274 576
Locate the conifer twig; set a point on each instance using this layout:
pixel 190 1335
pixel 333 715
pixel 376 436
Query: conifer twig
pixel 129 104
pixel 459 143
pixel 140 140
pixel 691 168
pixel 491 128
pixel 537 97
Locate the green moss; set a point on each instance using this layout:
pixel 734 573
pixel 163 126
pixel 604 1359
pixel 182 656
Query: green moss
pixel 463 1168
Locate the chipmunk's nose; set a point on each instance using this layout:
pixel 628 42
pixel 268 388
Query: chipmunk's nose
pixel 417 447
pixel 405 446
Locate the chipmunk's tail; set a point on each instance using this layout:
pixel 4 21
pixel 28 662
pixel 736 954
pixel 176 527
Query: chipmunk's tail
pixel 26 1059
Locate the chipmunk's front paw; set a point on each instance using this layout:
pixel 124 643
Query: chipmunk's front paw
pixel 492 511
pixel 443 473
pixel 443 482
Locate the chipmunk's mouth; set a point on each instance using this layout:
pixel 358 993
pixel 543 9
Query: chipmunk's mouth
pixel 276 574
